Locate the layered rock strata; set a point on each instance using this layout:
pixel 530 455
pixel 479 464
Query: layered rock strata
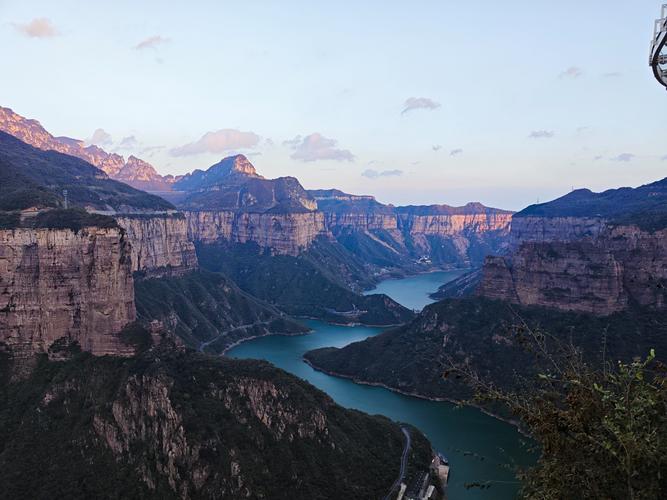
pixel 605 271
pixel 61 284
pixel 283 233
pixel 159 244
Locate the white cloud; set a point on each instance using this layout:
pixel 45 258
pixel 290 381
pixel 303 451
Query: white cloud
pixel 374 174
pixel 40 27
pixel 100 138
pixel 541 134
pixel 218 141
pixel 436 147
pixel 571 72
pixel 624 157
pixel 413 103
pixel 151 42
pixel 455 152
pixel 315 147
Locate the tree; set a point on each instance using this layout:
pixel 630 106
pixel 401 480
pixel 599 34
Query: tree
pixel 601 431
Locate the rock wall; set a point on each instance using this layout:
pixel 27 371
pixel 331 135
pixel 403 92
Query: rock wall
pixel 159 244
pixel 554 229
pixel 460 240
pixel 58 284
pixel 598 274
pixel 283 233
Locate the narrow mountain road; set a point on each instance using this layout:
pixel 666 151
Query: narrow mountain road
pixel 404 463
pixel 204 345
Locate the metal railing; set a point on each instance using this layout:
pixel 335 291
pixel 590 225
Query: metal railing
pixel 657 58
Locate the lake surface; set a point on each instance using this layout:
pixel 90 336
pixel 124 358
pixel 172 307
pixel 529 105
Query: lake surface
pixel 479 447
pixel 413 292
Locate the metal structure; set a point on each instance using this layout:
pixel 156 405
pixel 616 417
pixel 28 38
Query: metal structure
pixel 658 57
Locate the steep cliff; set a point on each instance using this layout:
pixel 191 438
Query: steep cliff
pixel 590 252
pixel 63 284
pixel 159 243
pixel 172 424
pixel 412 238
pixel 282 233
pixel 620 267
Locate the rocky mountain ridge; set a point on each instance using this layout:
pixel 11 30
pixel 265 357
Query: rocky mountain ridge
pixel 136 172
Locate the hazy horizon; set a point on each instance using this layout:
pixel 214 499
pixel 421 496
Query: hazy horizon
pixel 420 104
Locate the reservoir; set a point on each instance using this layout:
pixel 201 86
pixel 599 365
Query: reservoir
pixel 480 448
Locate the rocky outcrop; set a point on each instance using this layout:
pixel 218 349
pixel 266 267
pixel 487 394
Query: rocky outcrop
pixel 600 274
pixel 61 284
pixel 282 233
pixel 159 244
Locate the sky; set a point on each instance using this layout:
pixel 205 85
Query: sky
pixel 420 102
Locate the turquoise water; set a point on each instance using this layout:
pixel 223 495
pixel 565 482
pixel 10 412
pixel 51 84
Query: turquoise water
pixel 413 292
pixel 479 447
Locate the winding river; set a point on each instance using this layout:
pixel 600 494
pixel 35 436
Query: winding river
pixel 480 448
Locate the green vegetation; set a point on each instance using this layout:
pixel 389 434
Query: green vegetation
pixel 211 426
pixel 31 177
pixel 314 284
pixel 57 218
pixel 202 306
pixel 412 357
pixel 602 432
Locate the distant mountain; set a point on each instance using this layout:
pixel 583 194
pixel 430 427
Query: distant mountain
pixel 229 170
pixel 646 204
pixel 31 177
pixel 413 238
pixel 135 172
pixel 233 184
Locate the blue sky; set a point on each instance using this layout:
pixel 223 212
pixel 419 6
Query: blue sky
pixel 512 101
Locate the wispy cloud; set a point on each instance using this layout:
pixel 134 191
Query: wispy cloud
pixel 129 142
pixel 218 141
pixel 664 158
pixel 151 42
pixel 315 147
pixel 436 147
pixel 413 103
pixel 624 157
pixel 541 134
pixel 100 138
pixel 374 174
pixel 571 72
pixel 597 158
pixel 40 27
pixel 455 152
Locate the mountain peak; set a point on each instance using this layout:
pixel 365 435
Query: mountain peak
pixel 234 165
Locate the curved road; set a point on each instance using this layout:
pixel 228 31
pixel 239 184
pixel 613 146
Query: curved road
pixel 404 463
